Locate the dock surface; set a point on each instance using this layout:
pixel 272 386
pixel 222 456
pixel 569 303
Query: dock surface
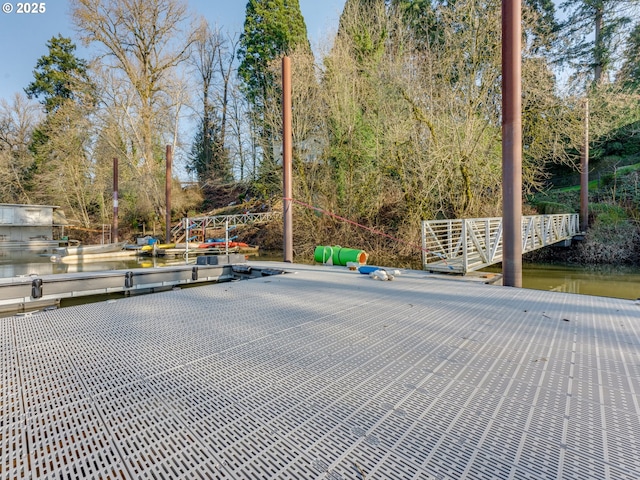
pixel 323 373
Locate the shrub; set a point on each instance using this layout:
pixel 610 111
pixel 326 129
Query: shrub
pixel 614 148
pixel 606 180
pixel 606 214
pixel 549 208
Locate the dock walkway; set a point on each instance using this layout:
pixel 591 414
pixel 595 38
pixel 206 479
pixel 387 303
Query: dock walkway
pixel 323 373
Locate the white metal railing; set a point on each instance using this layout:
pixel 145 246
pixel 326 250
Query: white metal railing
pixel 197 226
pixel 465 245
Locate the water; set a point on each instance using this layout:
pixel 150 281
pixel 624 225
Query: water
pixel 27 263
pixel 24 263
pixel 606 282
pixel 615 282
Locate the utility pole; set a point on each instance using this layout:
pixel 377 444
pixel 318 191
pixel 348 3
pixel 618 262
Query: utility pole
pixel 287 154
pixel 512 143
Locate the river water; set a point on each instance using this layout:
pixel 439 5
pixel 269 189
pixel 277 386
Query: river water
pixel 26 263
pixel 607 282
pixel 618 282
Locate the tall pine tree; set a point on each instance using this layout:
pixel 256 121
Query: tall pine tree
pixel 272 28
pixel 59 76
pixel 594 34
pixel 629 75
pixel 62 172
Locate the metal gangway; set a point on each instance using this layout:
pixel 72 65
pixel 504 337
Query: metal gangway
pixel 465 245
pixel 195 228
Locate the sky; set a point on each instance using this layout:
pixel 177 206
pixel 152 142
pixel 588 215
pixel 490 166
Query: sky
pixel 23 36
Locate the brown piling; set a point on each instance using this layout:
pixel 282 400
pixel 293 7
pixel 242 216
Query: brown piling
pixel 287 153
pixel 114 227
pixel 511 143
pixel 169 156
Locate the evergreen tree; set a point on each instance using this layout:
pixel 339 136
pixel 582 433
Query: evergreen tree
pixel 272 28
pixel 61 172
pixel 364 24
pixel 209 158
pixel 629 75
pixel 593 34
pixel 422 19
pixel 59 76
pixel 413 108
pixel 354 121
pixel 545 30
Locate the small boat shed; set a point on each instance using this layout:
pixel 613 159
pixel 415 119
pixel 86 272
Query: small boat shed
pixel 30 225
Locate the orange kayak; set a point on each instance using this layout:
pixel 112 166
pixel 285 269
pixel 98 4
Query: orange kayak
pixel 223 245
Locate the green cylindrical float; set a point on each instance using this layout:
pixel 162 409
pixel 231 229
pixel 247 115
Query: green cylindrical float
pixel 338 255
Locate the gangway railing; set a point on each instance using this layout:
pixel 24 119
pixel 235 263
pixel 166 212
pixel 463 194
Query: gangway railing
pixel 195 228
pixel 465 245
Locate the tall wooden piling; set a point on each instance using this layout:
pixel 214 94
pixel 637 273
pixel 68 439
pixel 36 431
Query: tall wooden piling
pixel 169 155
pixel 512 143
pixel 287 154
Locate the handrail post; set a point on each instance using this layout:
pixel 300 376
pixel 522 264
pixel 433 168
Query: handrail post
pixel 487 238
pixel 465 257
pixel 424 245
pixel 186 240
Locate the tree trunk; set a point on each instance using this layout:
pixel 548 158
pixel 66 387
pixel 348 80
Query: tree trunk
pixel 599 45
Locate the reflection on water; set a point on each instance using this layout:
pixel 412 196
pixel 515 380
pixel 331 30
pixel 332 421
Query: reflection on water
pixel 18 263
pixel 29 263
pixel 605 282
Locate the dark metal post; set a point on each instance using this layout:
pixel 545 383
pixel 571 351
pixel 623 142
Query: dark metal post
pixel 584 173
pixel 114 228
pixel 287 154
pixel 511 143
pixel 168 194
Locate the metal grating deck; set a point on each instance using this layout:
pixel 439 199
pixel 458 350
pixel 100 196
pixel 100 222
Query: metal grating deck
pixel 325 374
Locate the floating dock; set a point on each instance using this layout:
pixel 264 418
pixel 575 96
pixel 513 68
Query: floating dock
pixel 31 292
pixel 323 373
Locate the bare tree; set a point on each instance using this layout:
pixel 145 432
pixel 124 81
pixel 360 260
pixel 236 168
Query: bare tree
pixel 412 124
pixel 240 143
pixel 65 175
pixel 144 41
pixel 225 70
pixel 18 120
pixel 213 60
